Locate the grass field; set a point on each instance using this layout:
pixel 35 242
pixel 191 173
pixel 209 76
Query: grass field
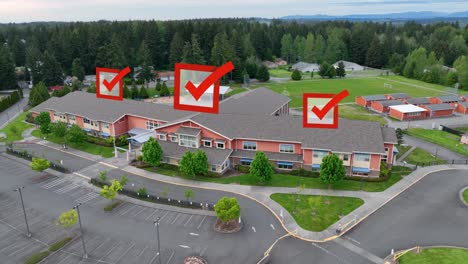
pixel 20 128
pixel 355 86
pixel 465 195
pixel 316 213
pixel 436 256
pixel 234 91
pixel 352 111
pixel 402 150
pixel 441 138
pixel 105 152
pixel 421 156
pixel 285 180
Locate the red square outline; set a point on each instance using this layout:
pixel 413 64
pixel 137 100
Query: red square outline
pixel 98 84
pixel 193 108
pixel 305 108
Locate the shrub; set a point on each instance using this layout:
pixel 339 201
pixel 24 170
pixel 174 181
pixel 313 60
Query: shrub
pixel 296 75
pixel 36 258
pixel 140 158
pixel 58 245
pixel 111 206
pixel 142 191
pixel 243 168
pixel 305 173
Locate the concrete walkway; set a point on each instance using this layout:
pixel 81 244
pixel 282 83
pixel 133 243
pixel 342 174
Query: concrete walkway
pixel 403 157
pixel 373 200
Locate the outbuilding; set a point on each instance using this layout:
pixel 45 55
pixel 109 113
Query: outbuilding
pixel 418 101
pixel 397 96
pixel 407 112
pixel 446 99
pixel 462 108
pixel 439 110
pixel 383 106
pixel 367 100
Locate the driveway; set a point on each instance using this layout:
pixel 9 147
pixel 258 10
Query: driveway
pixel 433 148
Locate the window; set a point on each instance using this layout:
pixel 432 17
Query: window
pixel 320 153
pixel 162 137
pixel 361 157
pixel 213 167
pixel 250 145
pixel 220 145
pixel 173 138
pixel 86 121
pixel 71 117
pixel 285 165
pixel 151 125
pixel 345 157
pixel 286 148
pixel 105 125
pixel 386 150
pixel 207 143
pixel 246 162
pixel 188 141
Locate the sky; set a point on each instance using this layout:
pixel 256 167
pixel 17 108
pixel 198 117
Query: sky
pixel 91 10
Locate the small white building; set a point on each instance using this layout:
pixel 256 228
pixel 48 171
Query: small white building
pixel 349 66
pixel 464 139
pixel 306 67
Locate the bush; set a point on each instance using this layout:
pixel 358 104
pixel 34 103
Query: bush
pixel 305 173
pixel 36 258
pixel 296 75
pixel 243 168
pixel 30 118
pixel 111 206
pixel 142 192
pixel 140 158
pixel 58 245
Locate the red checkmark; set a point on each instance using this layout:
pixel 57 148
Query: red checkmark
pixel 116 79
pixel 321 113
pixel 197 92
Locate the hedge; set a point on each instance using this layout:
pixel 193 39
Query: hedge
pixel 25 155
pixel 58 245
pixel 9 100
pixel 36 258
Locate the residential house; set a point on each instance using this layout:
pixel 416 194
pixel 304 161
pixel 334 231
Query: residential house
pixel 306 67
pixel 350 66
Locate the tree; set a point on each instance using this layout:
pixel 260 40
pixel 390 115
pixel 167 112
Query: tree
pixel 126 92
pixel 135 92
pixel 164 90
pixel 340 71
pixel 52 71
pixel 75 135
pixel 7 69
pixel 103 176
pixel 188 194
pixel 287 48
pixel 67 219
pixel 399 135
pixel 200 162
pixel 384 170
pixel 43 120
pixel 187 164
pixel 143 93
pixel 227 209
pixel 77 69
pixel 152 152
pixel 39 164
pixel 324 69
pixel 452 78
pixel 261 168
pixel 109 192
pixel 319 48
pixel 332 170
pixel 309 49
pixel 296 75
pixel 331 72
pixel 263 75
pixel 396 63
pixel 222 50
pixel 176 49
pixel 59 129
pixel 123 180
pixel 38 94
pixel 158 86
pixel 462 69
pixel 374 56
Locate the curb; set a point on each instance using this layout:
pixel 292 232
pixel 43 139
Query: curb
pixel 460 195
pixel 389 259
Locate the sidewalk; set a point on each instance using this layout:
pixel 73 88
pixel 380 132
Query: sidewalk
pixel 373 200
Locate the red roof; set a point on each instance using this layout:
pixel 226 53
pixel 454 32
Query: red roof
pixel 56 88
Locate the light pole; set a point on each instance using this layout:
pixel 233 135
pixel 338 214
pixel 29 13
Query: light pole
pixel 77 208
pixel 156 223
pixel 24 211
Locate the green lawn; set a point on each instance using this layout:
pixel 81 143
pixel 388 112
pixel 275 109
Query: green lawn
pixel 465 195
pixel 394 79
pixel 402 150
pixel 234 91
pixel 421 156
pixel 105 152
pixel 463 129
pixel 351 111
pixel 316 213
pixel 436 256
pixel 355 86
pixel 285 180
pixel 441 138
pixel 281 73
pixel 20 126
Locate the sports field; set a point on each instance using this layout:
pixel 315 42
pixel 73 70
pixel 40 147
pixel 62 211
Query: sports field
pixel 356 87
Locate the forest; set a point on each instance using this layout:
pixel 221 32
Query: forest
pixel 53 50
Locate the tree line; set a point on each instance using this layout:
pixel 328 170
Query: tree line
pixel 51 50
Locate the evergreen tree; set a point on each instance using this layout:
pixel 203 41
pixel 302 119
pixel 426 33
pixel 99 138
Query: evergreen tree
pixel 296 75
pixel 287 48
pixel 164 90
pixel 263 74
pixel 143 93
pixel 197 52
pixel 187 53
pixel 340 71
pixel 324 69
pixel 331 72
pixel 126 92
pixel 319 48
pixel 176 49
pixel 134 90
pixel 38 94
pixel 7 69
pixel 77 69
pixel 374 54
pixel 52 72
pixel 309 55
pixel 222 50
pixel 158 86
pixel 299 48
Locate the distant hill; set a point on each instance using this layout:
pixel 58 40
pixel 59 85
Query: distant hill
pixel 405 16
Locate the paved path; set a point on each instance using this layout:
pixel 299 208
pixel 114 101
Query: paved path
pixel 433 148
pixel 373 201
pixel 403 157
pixel 13 111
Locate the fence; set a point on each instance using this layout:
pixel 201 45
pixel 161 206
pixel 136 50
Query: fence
pixel 25 155
pixel 442 162
pixel 158 199
pixel 451 130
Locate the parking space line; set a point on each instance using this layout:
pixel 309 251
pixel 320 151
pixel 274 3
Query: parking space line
pixel 53 184
pixel 151 214
pixel 67 188
pixel 126 251
pixel 128 210
pixel 107 254
pixel 190 218
pixel 139 212
pixel 201 222
pixel 19 250
pixel 68 255
pixel 141 253
pixel 155 256
pixel 160 219
pixel 175 219
pixel 87 198
pixel 203 251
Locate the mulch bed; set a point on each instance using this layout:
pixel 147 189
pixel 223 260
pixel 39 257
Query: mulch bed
pixel 195 260
pixel 227 227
